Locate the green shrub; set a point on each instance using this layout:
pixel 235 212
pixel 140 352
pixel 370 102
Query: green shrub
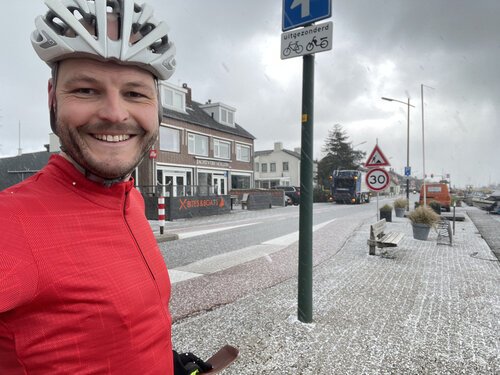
pixel 400 203
pixel 424 215
pixel 386 208
pixel 320 195
pixel 436 206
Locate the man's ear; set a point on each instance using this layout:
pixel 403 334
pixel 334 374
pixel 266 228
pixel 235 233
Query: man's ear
pixel 52 104
pixel 52 93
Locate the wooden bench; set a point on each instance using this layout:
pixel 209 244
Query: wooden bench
pixel 378 237
pixel 244 201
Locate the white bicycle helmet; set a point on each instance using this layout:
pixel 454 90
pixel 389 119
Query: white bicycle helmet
pixel 117 30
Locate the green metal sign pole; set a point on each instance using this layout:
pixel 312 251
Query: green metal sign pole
pixel 305 279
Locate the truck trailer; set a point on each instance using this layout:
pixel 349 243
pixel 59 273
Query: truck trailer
pixel 349 186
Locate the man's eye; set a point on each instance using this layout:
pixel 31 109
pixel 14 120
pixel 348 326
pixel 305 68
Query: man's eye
pixel 135 94
pixel 84 91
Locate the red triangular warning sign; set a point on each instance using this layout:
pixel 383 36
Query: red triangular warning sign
pixel 377 158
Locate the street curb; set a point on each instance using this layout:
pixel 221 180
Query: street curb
pixel 166 237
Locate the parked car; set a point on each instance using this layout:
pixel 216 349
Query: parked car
pixel 292 192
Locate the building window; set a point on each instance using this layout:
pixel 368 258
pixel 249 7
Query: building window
pixel 264 167
pixel 169 139
pixel 256 167
pixel 285 166
pixel 173 99
pixel 240 182
pixel 273 167
pixel 242 152
pixel 226 117
pixel 197 144
pixel 222 149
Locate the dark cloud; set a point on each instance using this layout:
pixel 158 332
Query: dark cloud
pixel 229 51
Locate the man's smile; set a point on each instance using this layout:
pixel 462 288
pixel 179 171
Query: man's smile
pixel 112 138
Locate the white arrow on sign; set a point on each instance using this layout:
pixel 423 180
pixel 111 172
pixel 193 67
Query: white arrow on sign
pixel 305 7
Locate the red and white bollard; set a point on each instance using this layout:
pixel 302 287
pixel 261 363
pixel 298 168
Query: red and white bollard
pixel 161 213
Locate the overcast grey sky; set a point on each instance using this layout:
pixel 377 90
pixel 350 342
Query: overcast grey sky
pixel 229 51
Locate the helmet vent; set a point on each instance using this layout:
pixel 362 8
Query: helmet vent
pixel 58 25
pixel 76 14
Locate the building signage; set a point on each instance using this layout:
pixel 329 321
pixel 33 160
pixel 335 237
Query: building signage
pixel 212 163
pixel 188 203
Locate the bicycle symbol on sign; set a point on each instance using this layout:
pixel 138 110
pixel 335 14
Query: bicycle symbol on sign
pixel 293 46
pixel 323 43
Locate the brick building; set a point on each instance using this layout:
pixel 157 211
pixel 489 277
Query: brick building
pixel 201 148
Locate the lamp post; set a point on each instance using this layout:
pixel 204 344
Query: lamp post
pixel 407 147
pixel 359 144
pixel 423 139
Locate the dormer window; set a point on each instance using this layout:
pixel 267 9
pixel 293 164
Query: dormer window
pixel 173 97
pixel 220 112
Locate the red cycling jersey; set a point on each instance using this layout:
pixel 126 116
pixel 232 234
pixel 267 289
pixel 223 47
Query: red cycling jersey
pixel 83 286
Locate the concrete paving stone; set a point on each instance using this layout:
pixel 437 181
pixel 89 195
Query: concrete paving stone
pixel 422 308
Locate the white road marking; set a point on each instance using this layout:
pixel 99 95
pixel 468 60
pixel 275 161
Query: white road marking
pixel 224 261
pixel 208 231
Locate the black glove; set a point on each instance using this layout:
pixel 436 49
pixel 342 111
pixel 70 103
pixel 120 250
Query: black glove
pixel 189 364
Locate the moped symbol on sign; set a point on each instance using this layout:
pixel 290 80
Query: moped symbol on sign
pixel 306 41
pixel 377 179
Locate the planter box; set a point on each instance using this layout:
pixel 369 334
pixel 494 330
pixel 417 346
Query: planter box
pixel 421 231
pixel 387 215
pixel 400 212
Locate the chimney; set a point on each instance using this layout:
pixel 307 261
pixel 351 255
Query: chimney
pixel 188 94
pixel 278 146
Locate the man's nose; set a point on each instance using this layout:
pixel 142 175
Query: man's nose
pixel 113 108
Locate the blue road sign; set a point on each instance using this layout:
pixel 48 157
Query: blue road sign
pixel 407 171
pixel 302 12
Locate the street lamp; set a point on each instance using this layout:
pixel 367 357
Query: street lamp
pixel 359 144
pixel 407 148
pixel 423 139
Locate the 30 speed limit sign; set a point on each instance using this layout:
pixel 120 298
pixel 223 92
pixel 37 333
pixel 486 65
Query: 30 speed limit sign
pixel 377 179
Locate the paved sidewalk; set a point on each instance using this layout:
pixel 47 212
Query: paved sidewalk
pixel 489 227
pixel 420 308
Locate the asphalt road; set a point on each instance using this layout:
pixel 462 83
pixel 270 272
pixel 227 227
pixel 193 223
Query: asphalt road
pixel 202 238
pixel 220 259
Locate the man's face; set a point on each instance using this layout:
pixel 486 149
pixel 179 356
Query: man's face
pixel 106 115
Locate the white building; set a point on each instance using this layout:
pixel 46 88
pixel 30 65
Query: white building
pixel 278 167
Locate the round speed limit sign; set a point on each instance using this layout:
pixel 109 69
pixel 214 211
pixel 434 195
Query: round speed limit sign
pixel 377 179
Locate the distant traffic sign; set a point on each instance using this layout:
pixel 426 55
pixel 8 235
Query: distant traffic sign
pixel 306 41
pixel 302 12
pixel 407 171
pixel 377 179
pixel 377 158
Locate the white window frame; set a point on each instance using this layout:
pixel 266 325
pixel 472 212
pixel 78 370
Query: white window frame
pixel 239 148
pixel 192 144
pixel 173 99
pixel 217 149
pixel 226 116
pixel 164 134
